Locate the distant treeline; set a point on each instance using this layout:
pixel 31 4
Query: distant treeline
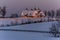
pixel 49 13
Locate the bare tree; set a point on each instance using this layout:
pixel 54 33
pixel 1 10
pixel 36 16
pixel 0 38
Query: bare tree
pixel 58 13
pixel 52 11
pixel 49 13
pixel 45 13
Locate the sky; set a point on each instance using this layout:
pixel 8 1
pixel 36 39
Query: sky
pixel 16 6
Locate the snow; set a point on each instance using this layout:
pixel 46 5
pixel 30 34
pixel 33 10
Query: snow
pixel 19 35
pixel 25 27
pixel 36 26
pixel 9 21
pixel 8 35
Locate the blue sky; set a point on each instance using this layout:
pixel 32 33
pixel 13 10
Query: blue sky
pixel 19 5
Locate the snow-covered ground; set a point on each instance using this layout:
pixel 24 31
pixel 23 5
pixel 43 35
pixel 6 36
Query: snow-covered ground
pixel 44 26
pixel 11 21
pixel 4 35
pixel 19 35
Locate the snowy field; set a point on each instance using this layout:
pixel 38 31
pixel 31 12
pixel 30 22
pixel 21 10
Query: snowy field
pixel 19 35
pixel 44 26
pixel 4 35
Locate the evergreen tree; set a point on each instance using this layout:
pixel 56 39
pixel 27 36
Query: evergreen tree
pixel 54 30
pixel 3 10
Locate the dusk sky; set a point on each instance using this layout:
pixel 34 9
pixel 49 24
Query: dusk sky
pixel 18 5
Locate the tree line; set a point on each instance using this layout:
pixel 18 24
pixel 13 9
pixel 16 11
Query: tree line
pixel 49 13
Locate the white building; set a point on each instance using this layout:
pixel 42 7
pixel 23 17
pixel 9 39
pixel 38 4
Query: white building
pixel 24 13
pixel 32 13
pixel 41 14
pixel 35 13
